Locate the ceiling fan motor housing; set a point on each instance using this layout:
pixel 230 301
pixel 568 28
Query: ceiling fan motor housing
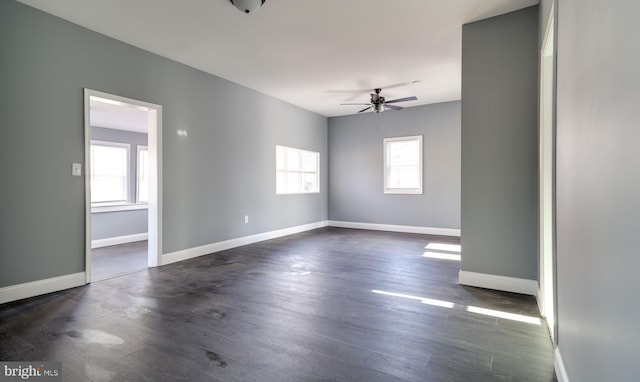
pixel 247 6
pixel 378 103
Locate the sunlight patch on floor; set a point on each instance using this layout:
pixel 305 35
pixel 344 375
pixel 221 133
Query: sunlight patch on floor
pixel 470 309
pixel 443 256
pixel 424 300
pixel 444 247
pixel 508 316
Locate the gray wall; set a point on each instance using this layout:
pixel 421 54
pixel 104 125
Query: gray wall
pixel 106 225
pixel 499 145
pixel 224 169
pixel 598 189
pixel 356 167
pixel 121 223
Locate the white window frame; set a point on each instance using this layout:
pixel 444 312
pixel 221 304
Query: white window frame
pixel 127 174
pixel 138 150
pixel 285 171
pixel 394 190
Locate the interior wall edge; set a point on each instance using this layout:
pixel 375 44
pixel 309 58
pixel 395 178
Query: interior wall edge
pixel 396 228
pixel 40 287
pixel 561 372
pixel 99 243
pixel 207 249
pixel 497 282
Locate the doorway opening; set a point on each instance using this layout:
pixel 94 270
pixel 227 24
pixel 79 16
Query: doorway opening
pixel 122 177
pixel 547 177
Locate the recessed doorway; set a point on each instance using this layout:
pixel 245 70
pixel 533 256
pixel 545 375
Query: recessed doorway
pixel 122 202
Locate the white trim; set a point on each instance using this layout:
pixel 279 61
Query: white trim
pixel 503 283
pixel 140 148
pixel 119 208
pixel 548 39
pixel 87 184
pixel 154 206
pixel 385 149
pixel 36 288
pixel 154 217
pixel 99 243
pixel 561 371
pixel 540 300
pixel 396 228
pixel 190 253
pixel 546 170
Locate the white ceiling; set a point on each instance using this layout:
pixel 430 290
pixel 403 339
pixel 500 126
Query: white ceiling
pixel 117 115
pixel 314 54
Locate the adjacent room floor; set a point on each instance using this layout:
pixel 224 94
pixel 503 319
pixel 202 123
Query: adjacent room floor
pixel 326 305
pixel 117 260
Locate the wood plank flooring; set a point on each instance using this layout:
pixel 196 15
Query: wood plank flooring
pixel 117 260
pixel 325 305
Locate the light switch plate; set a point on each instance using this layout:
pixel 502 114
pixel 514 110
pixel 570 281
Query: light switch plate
pixel 76 169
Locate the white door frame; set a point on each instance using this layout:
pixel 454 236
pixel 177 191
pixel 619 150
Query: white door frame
pixel 546 296
pixel 154 129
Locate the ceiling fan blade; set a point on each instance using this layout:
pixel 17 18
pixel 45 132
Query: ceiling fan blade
pixel 364 87
pixel 360 103
pixel 347 91
pixel 365 109
pixel 405 99
pixel 394 107
pixel 397 85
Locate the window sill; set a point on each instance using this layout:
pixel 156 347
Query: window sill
pixel 119 207
pixel 403 192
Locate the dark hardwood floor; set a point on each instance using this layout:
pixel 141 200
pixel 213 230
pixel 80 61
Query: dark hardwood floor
pixel 117 260
pixel 326 305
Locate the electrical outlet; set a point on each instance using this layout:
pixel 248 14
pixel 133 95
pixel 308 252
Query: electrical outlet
pixel 246 219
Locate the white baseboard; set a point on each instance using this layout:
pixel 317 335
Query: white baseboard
pixel 540 301
pixel 190 253
pixel 503 283
pixel 54 284
pixel 561 372
pixel 36 288
pixel 396 228
pixel 99 243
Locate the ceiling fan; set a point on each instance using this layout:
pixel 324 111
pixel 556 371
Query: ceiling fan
pixel 379 104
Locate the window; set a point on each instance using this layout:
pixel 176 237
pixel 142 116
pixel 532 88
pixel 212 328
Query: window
pixel 109 163
pixel 142 185
pixel 297 171
pixel 403 165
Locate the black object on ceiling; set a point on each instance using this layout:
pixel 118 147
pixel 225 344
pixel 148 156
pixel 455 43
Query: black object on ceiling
pixel 379 104
pixel 247 6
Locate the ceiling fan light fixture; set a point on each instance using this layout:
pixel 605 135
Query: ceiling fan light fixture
pixel 379 103
pixel 247 6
